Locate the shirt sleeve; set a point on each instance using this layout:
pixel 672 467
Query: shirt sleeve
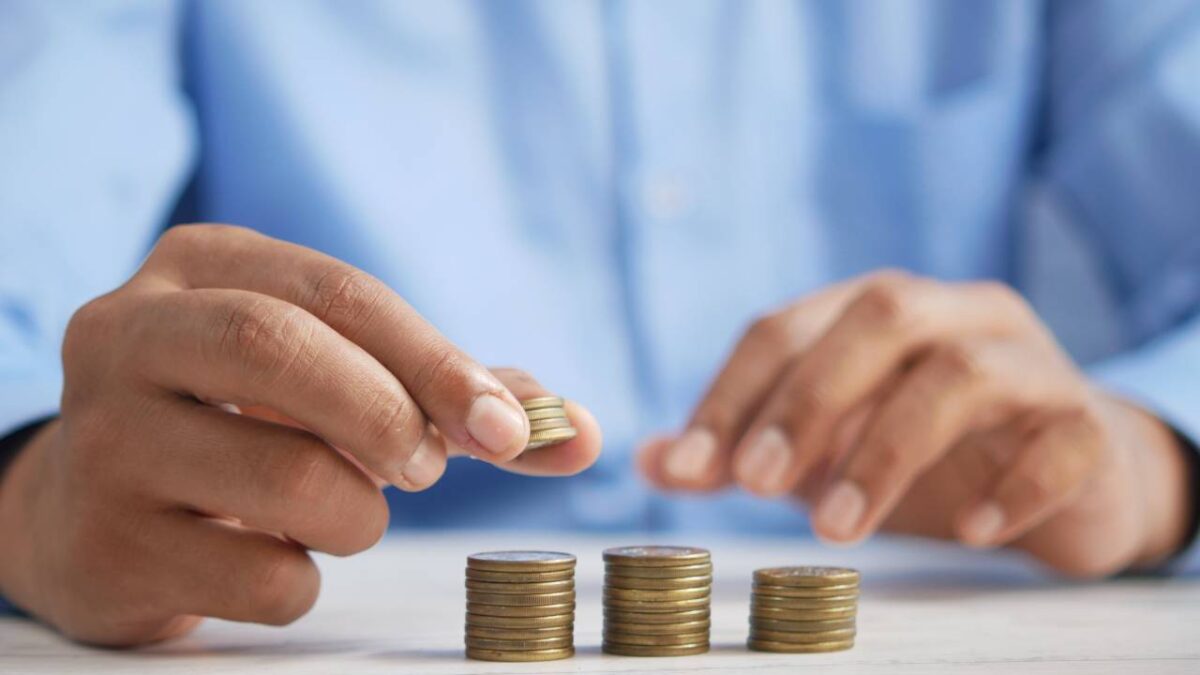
pixel 1122 158
pixel 96 143
pixel 95 138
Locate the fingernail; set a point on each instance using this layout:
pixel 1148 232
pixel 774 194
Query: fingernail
pixel 424 467
pixel 495 424
pixel 982 524
pixel 763 464
pixel 841 509
pixel 689 457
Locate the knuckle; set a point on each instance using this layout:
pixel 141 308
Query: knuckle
pixel 770 332
pixel 284 587
pixel 306 479
pixel 267 336
pixel 88 326
pixel 443 365
pixel 371 517
pixel 811 400
pixel 389 416
pixel 346 297
pixel 886 458
pixel 885 303
pixel 957 362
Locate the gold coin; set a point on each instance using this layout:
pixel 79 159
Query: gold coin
pixel 655 640
pixel 525 588
pixel 680 628
pixel 518 634
pixel 656 556
pixel 669 595
pixel 806 591
pixel 521 561
pixel 546 425
pixel 651 606
pixel 521 623
pixel 665 618
pixel 800 614
pixel 521 611
pixel 542 402
pixel 541 439
pixel 803 638
pixel 522 645
pixel 545 413
pixel 611 581
pixel 660 650
pixel 806 576
pixel 519 577
pixel 530 655
pixel 799 647
pixel 510 600
pixel 817 626
pixel 642 572
pixel 838 603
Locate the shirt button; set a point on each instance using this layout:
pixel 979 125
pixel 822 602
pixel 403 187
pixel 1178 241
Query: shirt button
pixel 664 197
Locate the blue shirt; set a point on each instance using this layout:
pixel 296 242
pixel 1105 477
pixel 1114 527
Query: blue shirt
pixel 606 193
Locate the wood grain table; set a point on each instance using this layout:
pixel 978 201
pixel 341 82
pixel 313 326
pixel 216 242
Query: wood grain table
pixel 925 608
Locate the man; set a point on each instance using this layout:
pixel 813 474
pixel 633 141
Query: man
pixel 607 194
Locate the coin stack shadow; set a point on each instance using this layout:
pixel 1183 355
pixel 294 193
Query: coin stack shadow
pixel 656 600
pixel 803 609
pixel 548 422
pixel 520 606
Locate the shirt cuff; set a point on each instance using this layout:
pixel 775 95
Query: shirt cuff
pixel 1161 377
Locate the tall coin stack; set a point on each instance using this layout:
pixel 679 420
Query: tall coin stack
pixel 548 422
pixel 803 609
pixel 520 606
pixel 656 600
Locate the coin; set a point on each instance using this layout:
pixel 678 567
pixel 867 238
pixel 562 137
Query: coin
pixel 669 595
pixel 843 634
pixel 545 425
pixel 800 614
pixel 623 616
pixel 523 645
pixel 655 640
pixel 802 626
pixel 521 611
pixel 541 439
pixel 660 650
pixel 519 577
pixel 545 413
pixel 680 628
pixel 518 633
pixel 521 623
pixel 528 655
pixel 511 600
pixel 542 402
pixel 650 606
pixel 799 647
pixel 834 604
pixel 806 591
pixel 657 584
pixel 521 561
pixel 642 572
pixel 656 556
pixel 521 588
pixel 806 576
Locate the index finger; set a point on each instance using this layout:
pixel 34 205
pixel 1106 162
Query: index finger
pixel 469 405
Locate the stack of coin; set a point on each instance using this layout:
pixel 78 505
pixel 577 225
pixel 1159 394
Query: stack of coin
pixel 803 609
pixel 520 606
pixel 656 600
pixel 548 422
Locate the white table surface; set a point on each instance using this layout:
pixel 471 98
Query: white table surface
pixel 925 608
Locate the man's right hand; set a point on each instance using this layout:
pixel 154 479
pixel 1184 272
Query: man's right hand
pixel 147 506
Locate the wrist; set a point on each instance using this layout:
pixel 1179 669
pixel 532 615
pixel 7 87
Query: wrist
pixel 1164 472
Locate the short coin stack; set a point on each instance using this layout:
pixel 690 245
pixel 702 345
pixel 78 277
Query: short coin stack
pixel 803 609
pixel 520 606
pixel 656 600
pixel 548 422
